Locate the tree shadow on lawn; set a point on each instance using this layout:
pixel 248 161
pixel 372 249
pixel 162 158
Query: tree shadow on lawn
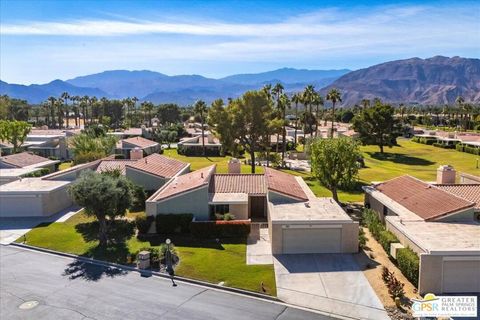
pixel 116 251
pixel 400 158
pixel 186 240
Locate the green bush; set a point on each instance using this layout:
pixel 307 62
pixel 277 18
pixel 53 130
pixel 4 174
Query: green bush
pixel 416 139
pixel 139 197
pixel 385 238
pixel 170 223
pixel 143 223
pixel 444 146
pixel 408 263
pixel 220 229
pixel 36 174
pixel 362 239
pixel 472 150
pixel 154 255
pixel 460 147
pixel 371 220
pixel 119 156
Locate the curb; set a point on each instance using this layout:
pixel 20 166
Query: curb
pixel 155 273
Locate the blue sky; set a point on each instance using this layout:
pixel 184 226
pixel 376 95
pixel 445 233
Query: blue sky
pixel 45 40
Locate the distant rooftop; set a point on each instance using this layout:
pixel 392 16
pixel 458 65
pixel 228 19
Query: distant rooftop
pixel 26 159
pixel 159 165
pixel 118 164
pixel 138 142
pixel 470 192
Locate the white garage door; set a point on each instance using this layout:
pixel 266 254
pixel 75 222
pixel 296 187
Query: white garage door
pixel 461 276
pixel 312 240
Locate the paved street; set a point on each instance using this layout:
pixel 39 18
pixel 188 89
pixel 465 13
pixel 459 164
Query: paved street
pixel 329 282
pixel 34 285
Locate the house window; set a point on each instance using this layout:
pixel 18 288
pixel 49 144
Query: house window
pixel 219 209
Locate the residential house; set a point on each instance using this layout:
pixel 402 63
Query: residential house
pixel 148 147
pixel 438 221
pixel 193 146
pixel 48 195
pixel 15 166
pixel 298 221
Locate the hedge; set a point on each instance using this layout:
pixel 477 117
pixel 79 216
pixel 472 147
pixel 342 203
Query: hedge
pixel 36 174
pixel 385 238
pixel 143 223
pixel 444 146
pixel 170 223
pixel 220 229
pixel 408 263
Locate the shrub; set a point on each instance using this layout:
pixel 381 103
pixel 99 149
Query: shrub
pixel 362 239
pixel 460 147
pixel 119 156
pixel 220 229
pixel 170 223
pixel 36 174
pixel 395 287
pixel 385 238
pixel 139 197
pixel 408 263
pixel 444 146
pixel 373 223
pixel 228 217
pixel 143 223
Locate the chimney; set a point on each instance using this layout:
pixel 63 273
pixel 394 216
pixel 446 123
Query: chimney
pixel 446 175
pixel 136 154
pixel 234 166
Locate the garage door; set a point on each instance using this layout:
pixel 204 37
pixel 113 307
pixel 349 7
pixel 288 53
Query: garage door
pixel 461 276
pixel 312 240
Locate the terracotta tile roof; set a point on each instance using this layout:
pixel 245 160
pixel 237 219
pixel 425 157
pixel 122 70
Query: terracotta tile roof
pixel 185 183
pixel 159 165
pixel 133 132
pixel 284 183
pixel 139 142
pixel 426 201
pixel 469 192
pixel 238 183
pixel 108 165
pixel 23 159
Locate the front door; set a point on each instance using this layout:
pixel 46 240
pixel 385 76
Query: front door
pixel 257 205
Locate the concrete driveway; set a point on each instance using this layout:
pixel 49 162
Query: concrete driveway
pixel 332 283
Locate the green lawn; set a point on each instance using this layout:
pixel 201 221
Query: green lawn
pixel 416 159
pixel 199 259
pixel 202 162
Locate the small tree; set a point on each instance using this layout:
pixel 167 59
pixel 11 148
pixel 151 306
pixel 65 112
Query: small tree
pixel 377 126
pixel 104 196
pixel 334 163
pixel 15 132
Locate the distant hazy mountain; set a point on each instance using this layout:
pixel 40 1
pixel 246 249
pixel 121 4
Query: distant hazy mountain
pixel 437 80
pixel 429 81
pixel 286 75
pixel 36 93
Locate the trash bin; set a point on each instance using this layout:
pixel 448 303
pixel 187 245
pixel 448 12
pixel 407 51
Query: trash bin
pixel 143 260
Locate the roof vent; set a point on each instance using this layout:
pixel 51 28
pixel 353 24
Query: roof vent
pixel 307 204
pixel 146 161
pixel 201 174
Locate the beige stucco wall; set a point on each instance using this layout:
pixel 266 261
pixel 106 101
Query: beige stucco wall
pixel 462 216
pixel 195 202
pixel 148 181
pixel 240 211
pixel 56 201
pixel 430 275
pixel 403 238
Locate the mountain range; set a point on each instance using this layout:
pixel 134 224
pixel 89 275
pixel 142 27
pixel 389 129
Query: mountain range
pixel 435 80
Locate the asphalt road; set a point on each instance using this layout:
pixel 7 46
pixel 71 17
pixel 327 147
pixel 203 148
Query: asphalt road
pixel 35 285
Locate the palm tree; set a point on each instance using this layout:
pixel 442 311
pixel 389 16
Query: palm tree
pixel 148 107
pixel 317 101
pixel 53 103
pixel 335 96
pixel 283 102
pixel 296 98
pixel 200 108
pixel 277 91
pixel 84 106
pixel 402 110
pixel 65 96
pixel 46 110
pixel 307 99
